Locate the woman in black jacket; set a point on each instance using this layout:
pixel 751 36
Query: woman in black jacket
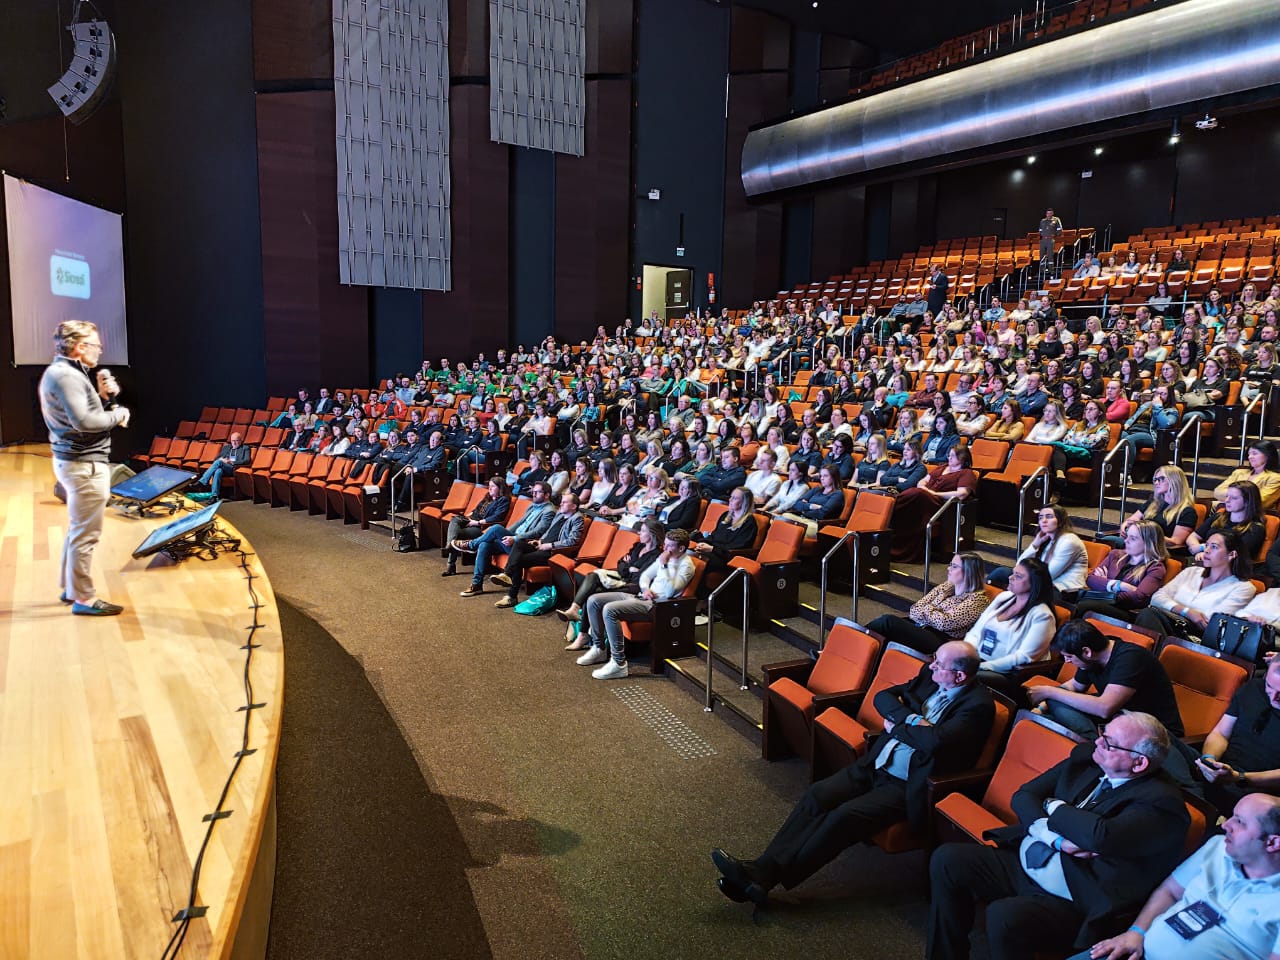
pixel 624 578
pixel 682 512
pixel 734 532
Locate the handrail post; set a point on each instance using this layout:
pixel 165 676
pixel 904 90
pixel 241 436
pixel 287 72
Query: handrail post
pixel 822 595
pixel 1102 487
pixel 746 628
pixel 711 631
pixel 1022 502
pixel 928 536
pixel 1195 465
pixel 1244 426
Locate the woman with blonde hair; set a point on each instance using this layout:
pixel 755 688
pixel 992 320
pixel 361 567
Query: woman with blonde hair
pixel 1131 574
pixel 1171 507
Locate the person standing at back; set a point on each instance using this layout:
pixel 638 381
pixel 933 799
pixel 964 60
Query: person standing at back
pixel 71 400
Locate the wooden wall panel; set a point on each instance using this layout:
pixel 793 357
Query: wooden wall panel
pixel 593 200
pixel 292 40
pixel 316 331
pixel 473 316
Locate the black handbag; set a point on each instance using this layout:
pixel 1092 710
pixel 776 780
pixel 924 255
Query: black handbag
pixel 1103 596
pixel 1239 638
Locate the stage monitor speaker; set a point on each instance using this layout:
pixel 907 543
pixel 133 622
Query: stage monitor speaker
pixel 82 89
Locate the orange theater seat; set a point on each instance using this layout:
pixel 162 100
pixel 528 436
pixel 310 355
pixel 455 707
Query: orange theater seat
pixel 669 631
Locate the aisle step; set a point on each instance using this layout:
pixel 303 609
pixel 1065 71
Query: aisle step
pixel 731 704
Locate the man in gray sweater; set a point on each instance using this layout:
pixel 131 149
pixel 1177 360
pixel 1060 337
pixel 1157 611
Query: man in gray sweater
pixel 71 400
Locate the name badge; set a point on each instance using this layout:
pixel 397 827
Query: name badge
pixel 1194 920
pixel 988 644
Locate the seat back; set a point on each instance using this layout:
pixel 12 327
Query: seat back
pixel 898 665
pixel 872 511
pixel 1097 552
pixel 1033 747
pixel 1203 685
pixel 623 540
pixel 846 660
pixel 458 498
pixel 1000 724
pixel 782 543
pixel 320 468
pixel 1112 627
pixel 715 510
pixel 477 493
pixel 261 458
pixel 762 531
pixel 1026 457
pixel 301 465
pixel 597 539
pixel 1273 528
pixel 518 510
pixel 988 455
pixel 1172 568
pixel 281 461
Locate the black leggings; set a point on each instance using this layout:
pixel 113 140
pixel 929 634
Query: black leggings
pixel 908 632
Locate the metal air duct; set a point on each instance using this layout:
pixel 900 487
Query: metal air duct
pixel 1186 52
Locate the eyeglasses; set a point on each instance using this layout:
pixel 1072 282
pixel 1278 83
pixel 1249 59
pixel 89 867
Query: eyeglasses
pixel 1109 744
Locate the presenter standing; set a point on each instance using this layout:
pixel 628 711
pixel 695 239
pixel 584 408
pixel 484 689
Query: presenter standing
pixel 71 399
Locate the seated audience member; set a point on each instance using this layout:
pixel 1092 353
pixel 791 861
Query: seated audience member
pixel 683 512
pixel 498 539
pixel 1157 413
pixel 1058 548
pixel 792 489
pixel 1008 426
pixel 1032 399
pixel 942 440
pixel 665 578
pixel 839 459
pixel 1171 507
pixel 1093 834
pixel 563 535
pixel 1050 428
pixel 947 612
pixel 936 723
pixel 1132 574
pixel 914 507
pixel 1262 469
pixel 335 442
pixel 734 532
pixel 1242 753
pixel 625 577
pixel 907 472
pixel 1016 628
pixel 972 419
pixel 719 482
pixel 1183 606
pixel 582 480
pixel 870 468
pixel 1220 903
pixel 763 481
pixel 808 453
pixel 905 432
pixel 1241 511
pixel 297 439
pixel 364 450
pixel 615 504
pixel 233 454
pixel 1077 446
pixel 648 500
pixel 603 487
pixel 535 472
pixel 818 504
pixel 491 510
pixel 1111 675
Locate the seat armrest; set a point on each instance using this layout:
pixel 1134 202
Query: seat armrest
pixel 797 670
pixel 972 784
pixel 847 701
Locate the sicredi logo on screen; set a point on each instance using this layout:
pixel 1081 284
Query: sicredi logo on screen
pixel 68 277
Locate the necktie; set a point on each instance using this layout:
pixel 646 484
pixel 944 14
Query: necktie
pixel 1097 795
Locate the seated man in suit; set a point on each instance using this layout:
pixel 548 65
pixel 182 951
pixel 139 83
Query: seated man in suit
pixel 1094 835
pixel 935 723
pixel 563 535
pixel 1220 904
pixel 233 454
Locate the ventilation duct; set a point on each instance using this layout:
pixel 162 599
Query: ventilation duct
pixel 1195 50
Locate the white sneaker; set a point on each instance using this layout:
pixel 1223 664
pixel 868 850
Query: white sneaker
pixel 613 670
pixel 594 655
pixel 701 620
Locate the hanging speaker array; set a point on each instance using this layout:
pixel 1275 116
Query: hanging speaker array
pixel 81 90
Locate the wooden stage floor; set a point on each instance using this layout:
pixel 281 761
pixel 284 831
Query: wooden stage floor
pixel 117 738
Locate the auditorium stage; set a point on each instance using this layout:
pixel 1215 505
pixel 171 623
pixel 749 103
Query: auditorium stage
pixel 118 736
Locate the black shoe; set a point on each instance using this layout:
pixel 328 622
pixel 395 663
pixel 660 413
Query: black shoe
pixel 449 571
pixel 738 878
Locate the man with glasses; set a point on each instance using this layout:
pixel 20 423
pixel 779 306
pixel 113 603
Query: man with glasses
pixel 1093 835
pixel 71 401
pixel 935 723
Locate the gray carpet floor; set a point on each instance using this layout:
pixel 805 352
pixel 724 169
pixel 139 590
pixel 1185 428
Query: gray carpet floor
pixel 452 784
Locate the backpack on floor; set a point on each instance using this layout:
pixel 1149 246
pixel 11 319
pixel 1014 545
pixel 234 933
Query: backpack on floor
pixel 542 601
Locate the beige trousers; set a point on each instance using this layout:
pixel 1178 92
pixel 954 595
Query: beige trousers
pixel 88 486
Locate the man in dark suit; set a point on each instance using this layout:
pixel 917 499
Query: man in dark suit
pixel 1095 835
pixel 233 454
pixel 935 723
pixel 937 289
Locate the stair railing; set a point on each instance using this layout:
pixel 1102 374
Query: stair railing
pixel 1022 501
pixel 734 574
pixel 822 596
pixel 1255 403
pixel 1177 450
pixel 1106 468
pixel 953 502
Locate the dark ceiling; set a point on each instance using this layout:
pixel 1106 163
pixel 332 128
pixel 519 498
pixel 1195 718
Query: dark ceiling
pixel 897 29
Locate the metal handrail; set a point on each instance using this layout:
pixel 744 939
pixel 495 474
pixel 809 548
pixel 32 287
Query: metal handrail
pixel 822 596
pixel 1124 483
pixel 1193 421
pixel 928 534
pixel 711 628
pixel 457 463
pixel 1244 425
pixel 1022 501
pixel 395 514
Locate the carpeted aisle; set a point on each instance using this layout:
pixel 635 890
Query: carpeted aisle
pixel 451 784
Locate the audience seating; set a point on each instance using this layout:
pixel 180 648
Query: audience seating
pixel 797 689
pixel 669 629
pixel 1203 684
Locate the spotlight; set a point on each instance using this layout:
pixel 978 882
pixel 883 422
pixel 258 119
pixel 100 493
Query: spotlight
pixel 1175 133
pixel 1097 151
pixel 1031 159
pixel 1207 123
